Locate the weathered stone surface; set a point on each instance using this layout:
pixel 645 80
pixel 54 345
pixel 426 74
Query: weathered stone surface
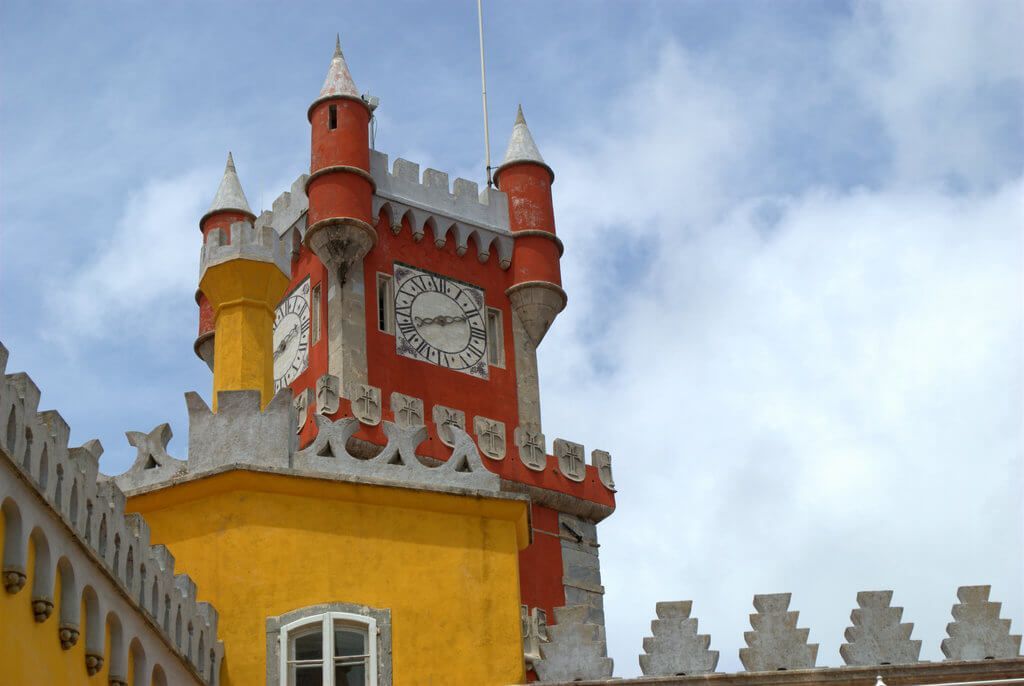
pixel 532 448
pixel 240 432
pixel 328 394
pixel 576 649
pixel 602 462
pixel 877 637
pixel 301 403
pixel 676 647
pixel 444 419
pixel 978 633
pixel 408 411
pixel 366 406
pixel 581 566
pixel 397 463
pixel 152 463
pixel 490 436
pixel 535 631
pixel 776 642
pixel 571 459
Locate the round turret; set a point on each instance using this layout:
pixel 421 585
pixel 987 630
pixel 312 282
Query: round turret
pixel 536 293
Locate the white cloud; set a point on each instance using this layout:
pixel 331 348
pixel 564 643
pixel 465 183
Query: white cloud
pixel 150 257
pixel 819 392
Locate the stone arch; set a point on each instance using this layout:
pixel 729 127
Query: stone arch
pixel 118 670
pixel 167 614
pixel 70 606
pixel 42 576
pixel 159 678
pixel 117 556
pixel 142 585
pixel 177 629
pixel 58 488
pixel 102 541
pixel 26 458
pixel 12 430
pixel 15 546
pixel 129 568
pixel 138 662
pixel 44 469
pixel 201 652
pixel 154 606
pixel 213 667
pixel 73 504
pixel 88 521
pixel 95 638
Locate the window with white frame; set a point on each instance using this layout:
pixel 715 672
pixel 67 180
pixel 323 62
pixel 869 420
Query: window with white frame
pixel 329 649
pixel 385 303
pixel 495 338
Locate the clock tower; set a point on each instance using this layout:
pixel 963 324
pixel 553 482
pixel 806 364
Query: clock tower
pixel 420 302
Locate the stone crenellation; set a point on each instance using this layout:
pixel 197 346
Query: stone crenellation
pixel 463 210
pixel 247 242
pixel 92 507
pixel 877 638
pixel 978 632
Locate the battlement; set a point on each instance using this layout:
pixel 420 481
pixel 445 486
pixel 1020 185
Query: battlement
pixel 574 648
pixel 462 210
pixel 241 435
pixel 246 243
pixel 287 208
pixel 91 507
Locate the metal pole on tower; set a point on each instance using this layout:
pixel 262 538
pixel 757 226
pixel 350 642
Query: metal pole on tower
pixel 483 90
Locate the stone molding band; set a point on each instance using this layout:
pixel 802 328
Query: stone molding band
pixel 200 339
pixel 242 302
pixel 341 221
pixel 239 210
pixel 318 101
pixel 340 168
pixel 541 284
pixel 512 163
pixel 540 233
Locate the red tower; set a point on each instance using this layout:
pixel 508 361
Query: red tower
pixel 384 326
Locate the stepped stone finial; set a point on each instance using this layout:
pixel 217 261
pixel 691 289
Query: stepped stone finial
pixel 521 147
pixel 339 79
pixel 776 643
pixel 229 194
pixel 576 649
pixel 676 648
pixel 977 632
pixel 877 637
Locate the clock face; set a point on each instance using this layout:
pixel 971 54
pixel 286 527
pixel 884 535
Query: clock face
pixel 440 321
pixel 291 336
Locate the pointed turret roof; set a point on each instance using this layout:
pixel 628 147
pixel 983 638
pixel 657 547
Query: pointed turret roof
pixel 339 78
pixel 521 147
pixel 229 194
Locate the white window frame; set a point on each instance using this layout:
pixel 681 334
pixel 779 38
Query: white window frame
pixel 498 346
pixel 388 292
pixel 327 620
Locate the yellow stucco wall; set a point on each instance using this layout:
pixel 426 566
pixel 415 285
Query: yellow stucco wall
pixel 260 545
pixel 30 651
pixel 244 295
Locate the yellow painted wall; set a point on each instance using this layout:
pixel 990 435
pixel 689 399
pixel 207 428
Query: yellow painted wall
pixel 244 295
pixel 30 652
pixel 260 545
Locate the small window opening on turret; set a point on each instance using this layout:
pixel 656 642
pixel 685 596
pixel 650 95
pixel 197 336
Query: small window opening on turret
pixel 332 117
pixel 495 338
pixel 385 303
pixel 314 305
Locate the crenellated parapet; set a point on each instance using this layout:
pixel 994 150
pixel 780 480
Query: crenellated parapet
pixel 104 542
pixel 979 644
pixel 287 209
pixel 242 434
pixel 246 243
pixel 459 213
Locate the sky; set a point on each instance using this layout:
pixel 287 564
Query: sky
pixel 794 253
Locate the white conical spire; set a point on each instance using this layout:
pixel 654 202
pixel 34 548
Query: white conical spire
pixel 229 194
pixel 521 147
pixel 339 78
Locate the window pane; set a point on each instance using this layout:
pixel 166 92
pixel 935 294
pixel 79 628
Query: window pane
pixel 308 646
pixel 348 642
pixel 350 675
pixel 308 675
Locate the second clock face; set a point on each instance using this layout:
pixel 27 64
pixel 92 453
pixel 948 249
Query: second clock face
pixel 440 321
pixel 291 336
